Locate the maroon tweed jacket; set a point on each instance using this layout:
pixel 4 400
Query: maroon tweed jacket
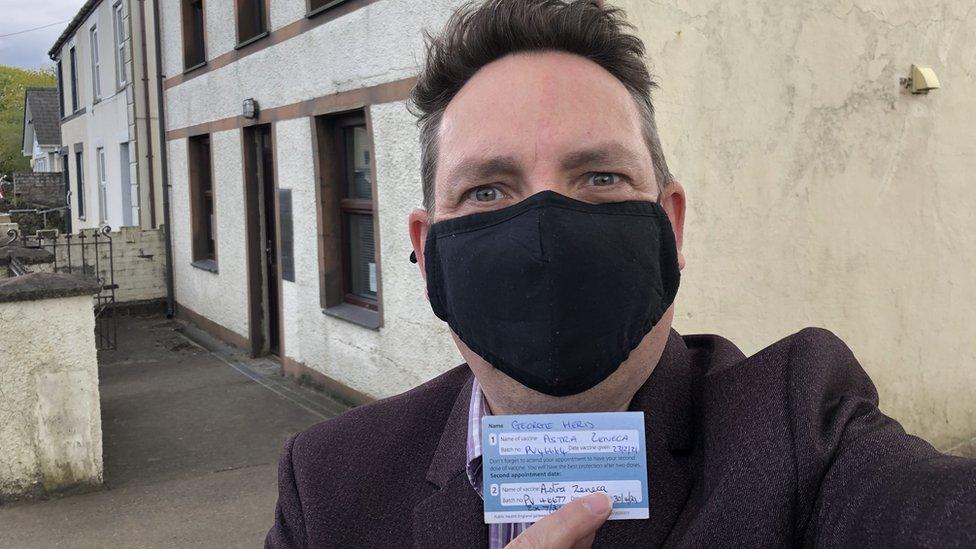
pixel 784 448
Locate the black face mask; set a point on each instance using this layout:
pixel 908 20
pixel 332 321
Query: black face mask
pixel 552 291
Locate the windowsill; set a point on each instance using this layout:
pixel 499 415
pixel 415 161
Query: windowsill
pixel 188 70
pixel 251 40
pixel 362 316
pixel 74 114
pixel 208 265
pixel 324 8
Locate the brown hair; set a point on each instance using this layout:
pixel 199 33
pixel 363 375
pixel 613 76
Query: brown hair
pixel 479 33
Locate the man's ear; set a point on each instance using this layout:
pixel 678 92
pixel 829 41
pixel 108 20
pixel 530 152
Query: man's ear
pixel 673 202
pixel 419 223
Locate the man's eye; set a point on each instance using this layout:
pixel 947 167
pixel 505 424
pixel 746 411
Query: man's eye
pixel 604 179
pixel 484 194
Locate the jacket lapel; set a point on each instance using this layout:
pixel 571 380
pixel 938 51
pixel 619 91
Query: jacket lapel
pixel 667 403
pixel 453 516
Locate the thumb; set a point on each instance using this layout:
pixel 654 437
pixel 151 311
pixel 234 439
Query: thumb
pixel 575 522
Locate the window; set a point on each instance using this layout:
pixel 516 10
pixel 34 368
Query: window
pixel 346 210
pixel 96 83
pixel 74 79
pixel 251 22
pixel 80 175
pixel 202 202
pixel 121 73
pixel 102 192
pixel 318 6
pixel 194 52
pixel 129 206
pixel 60 89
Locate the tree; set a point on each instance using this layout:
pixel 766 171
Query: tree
pixel 13 82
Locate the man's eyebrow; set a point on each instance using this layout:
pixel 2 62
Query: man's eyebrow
pixel 479 168
pixel 602 154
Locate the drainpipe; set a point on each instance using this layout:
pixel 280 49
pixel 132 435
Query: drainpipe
pixel 163 161
pixel 149 139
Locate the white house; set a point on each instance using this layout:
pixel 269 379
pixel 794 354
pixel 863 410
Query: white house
pixel 293 163
pixel 42 129
pixel 109 127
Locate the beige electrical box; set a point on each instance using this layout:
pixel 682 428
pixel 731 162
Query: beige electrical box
pixel 923 80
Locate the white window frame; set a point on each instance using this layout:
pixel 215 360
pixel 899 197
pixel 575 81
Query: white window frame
pixel 121 76
pixel 102 185
pixel 96 81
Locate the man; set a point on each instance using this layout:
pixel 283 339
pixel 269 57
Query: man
pixel 550 243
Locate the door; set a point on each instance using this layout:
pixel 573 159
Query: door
pixel 264 271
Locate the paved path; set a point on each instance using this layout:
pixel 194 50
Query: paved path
pixel 191 436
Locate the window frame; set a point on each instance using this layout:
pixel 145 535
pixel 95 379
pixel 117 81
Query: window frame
pixel 191 64
pixel 312 11
pixel 80 181
pixel 73 61
pixel 263 30
pixel 102 185
pixel 349 207
pixel 60 69
pixel 203 252
pixel 95 64
pixel 121 69
pixel 333 206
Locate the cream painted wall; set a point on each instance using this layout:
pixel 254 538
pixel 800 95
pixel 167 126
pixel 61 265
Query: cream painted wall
pixel 820 192
pixel 50 420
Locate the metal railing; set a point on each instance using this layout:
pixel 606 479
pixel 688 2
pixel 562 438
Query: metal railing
pixel 87 254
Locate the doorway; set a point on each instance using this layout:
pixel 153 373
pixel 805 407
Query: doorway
pixel 264 273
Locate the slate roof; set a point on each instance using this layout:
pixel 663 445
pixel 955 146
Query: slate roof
pixel 41 106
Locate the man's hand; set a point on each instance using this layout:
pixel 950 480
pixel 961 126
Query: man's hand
pixel 572 527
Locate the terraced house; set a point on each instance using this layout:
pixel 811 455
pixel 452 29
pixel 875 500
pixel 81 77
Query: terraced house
pixel 107 95
pixel 294 162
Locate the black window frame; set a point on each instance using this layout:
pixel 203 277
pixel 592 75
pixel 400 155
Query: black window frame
pixel 60 70
pixel 194 29
pixel 73 61
pixel 253 12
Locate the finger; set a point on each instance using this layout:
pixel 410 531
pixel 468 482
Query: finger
pixel 575 522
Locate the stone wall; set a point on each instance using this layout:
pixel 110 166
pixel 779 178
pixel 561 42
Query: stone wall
pixel 39 189
pixel 139 262
pixel 50 420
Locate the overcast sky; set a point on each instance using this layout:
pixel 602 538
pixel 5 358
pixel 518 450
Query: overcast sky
pixel 29 50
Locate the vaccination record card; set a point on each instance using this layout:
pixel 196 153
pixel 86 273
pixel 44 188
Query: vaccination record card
pixel 534 464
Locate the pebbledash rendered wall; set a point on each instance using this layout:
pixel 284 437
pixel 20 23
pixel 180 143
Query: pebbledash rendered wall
pixel 819 192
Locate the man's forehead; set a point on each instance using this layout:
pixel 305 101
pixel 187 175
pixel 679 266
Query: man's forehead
pixel 544 106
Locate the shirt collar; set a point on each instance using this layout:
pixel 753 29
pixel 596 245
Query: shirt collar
pixel 477 409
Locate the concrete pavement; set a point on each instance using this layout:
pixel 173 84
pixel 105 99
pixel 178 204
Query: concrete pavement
pixel 191 435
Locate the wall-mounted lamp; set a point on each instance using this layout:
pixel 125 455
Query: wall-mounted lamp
pixel 923 80
pixel 250 109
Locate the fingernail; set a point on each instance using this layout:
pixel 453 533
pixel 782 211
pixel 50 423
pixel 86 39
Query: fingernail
pixel 598 503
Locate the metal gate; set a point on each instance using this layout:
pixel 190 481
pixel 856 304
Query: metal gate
pixel 87 253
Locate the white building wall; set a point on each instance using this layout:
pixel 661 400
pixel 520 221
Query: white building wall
pixel 220 296
pixel 340 55
pixel 50 419
pixel 106 123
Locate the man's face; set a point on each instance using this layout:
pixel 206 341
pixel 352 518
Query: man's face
pixel 546 121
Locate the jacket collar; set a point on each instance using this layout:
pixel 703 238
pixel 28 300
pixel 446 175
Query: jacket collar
pixel 665 398
pixel 453 515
